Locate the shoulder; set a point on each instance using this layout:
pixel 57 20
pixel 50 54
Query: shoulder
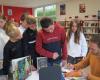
pixel 40 31
pixel 82 35
pixel 59 28
pixel 7 45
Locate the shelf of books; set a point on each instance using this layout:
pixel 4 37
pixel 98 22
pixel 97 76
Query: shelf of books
pixel 91 27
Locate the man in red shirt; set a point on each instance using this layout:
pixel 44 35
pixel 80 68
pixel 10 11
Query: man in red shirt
pixel 51 42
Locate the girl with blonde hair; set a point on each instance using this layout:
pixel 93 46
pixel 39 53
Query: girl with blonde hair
pixel 13 49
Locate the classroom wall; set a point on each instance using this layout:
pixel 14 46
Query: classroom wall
pixel 72 9
pixel 16 12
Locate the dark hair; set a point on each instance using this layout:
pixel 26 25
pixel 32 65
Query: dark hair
pixel 23 17
pixel 46 22
pixel 96 39
pixel 77 33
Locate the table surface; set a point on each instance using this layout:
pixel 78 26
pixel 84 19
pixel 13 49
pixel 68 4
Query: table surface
pixel 35 76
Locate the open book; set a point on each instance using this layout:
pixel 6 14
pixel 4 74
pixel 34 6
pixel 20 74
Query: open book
pixel 21 68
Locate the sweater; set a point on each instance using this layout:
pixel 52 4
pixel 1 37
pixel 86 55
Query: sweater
pixel 94 62
pixel 77 50
pixel 29 41
pixel 48 43
pixel 12 50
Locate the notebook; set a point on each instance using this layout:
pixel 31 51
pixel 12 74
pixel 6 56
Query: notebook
pixel 50 73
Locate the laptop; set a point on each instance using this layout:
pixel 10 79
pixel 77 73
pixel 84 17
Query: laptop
pixel 50 73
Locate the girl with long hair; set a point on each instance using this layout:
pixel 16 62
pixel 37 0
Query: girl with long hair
pixel 77 45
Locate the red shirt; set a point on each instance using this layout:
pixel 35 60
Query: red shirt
pixel 44 37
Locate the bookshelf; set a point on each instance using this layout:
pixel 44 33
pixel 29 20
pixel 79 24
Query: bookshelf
pixel 89 28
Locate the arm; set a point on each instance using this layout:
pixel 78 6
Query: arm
pixel 64 45
pixel 84 63
pixel 84 46
pixel 25 44
pixel 6 60
pixel 93 77
pixel 39 49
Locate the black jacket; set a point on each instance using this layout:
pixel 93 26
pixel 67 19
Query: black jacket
pixel 29 41
pixel 12 50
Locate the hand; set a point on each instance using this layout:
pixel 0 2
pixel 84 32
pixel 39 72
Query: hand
pixel 55 55
pixel 70 66
pixel 33 68
pixel 64 62
pixel 84 58
pixel 73 74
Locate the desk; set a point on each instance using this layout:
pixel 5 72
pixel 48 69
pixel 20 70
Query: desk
pixel 35 76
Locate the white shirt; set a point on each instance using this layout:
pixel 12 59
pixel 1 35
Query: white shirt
pixel 22 29
pixel 77 50
pixel 3 40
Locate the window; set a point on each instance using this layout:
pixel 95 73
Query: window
pixel 49 11
pixel 39 12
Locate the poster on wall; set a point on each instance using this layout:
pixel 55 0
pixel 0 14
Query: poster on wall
pixel 82 8
pixel 9 12
pixel 62 9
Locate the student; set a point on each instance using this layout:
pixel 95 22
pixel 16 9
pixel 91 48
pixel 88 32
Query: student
pixel 29 39
pixel 51 42
pixel 3 37
pixel 77 45
pixel 13 48
pixel 23 25
pixel 92 59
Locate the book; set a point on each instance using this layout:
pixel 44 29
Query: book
pixel 41 62
pixel 21 68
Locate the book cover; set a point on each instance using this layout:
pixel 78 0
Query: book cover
pixel 41 62
pixel 21 68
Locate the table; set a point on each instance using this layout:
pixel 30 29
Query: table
pixel 35 76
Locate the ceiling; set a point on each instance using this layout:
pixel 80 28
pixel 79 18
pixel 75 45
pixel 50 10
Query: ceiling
pixel 29 3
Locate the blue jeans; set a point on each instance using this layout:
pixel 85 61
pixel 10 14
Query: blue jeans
pixel 56 63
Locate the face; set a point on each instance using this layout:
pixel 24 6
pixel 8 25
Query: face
pixel 32 26
pixel 2 23
pixel 16 35
pixel 50 29
pixel 74 27
pixel 93 48
pixel 24 24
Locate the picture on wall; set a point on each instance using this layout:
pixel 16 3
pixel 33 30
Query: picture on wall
pixel 9 12
pixel 82 8
pixel 62 9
